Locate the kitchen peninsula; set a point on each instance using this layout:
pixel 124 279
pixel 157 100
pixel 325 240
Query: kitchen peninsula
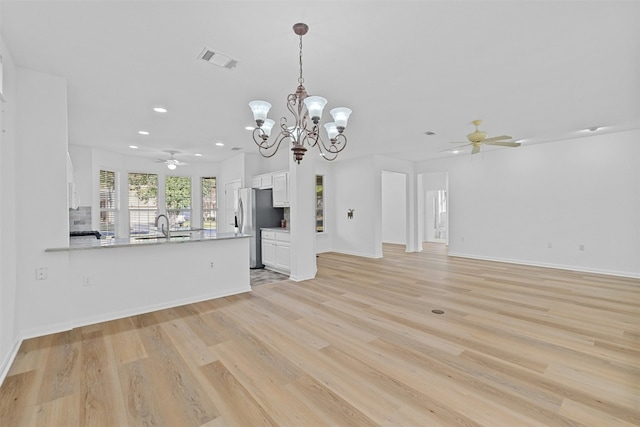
pixel 116 278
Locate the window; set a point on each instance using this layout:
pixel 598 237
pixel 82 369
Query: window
pixel 209 203
pixel 108 203
pixel 319 203
pixel 143 203
pixel 178 197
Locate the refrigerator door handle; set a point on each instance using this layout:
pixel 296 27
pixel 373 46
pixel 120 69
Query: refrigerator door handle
pixel 241 215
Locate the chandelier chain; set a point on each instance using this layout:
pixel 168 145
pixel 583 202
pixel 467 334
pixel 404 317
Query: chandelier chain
pixel 300 79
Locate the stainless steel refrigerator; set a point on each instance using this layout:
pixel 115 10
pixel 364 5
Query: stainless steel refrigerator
pixel 256 211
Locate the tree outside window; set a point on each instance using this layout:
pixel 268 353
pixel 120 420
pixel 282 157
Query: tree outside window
pixel 143 203
pixel 178 201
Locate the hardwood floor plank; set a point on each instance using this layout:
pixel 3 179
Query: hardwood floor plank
pixel 236 404
pixel 100 405
pixel 357 346
pixel 61 372
pixel 17 398
pixel 63 411
pixel 143 405
pixel 272 397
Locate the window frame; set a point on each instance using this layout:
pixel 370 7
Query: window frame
pixel 114 208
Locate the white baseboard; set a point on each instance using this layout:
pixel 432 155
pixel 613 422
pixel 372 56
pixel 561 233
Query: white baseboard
pixel 548 265
pixel 372 256
pixel 8 360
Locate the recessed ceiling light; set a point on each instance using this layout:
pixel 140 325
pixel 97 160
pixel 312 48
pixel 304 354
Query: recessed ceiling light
pixel 135 147
pixel 593 128
pixel 198 155
pixel 429 133
pixel 249 128
pixel 159 109
pixel 455 151
pixel 220 144
pixel 143 132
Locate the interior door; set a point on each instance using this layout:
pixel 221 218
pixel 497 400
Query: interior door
pixel 230 204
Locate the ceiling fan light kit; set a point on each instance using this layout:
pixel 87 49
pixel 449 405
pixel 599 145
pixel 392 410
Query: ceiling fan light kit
pixel 304 108
pixel 172 163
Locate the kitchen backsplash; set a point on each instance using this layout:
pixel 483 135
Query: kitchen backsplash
pixel 80 219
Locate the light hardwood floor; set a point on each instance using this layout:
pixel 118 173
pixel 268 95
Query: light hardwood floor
pixel 357 346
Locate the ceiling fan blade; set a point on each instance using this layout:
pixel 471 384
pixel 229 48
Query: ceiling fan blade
pixel 476 149
pixel 459 142
pixel 455 148
pixel 160 161
pixel 497 138
pixel 504 143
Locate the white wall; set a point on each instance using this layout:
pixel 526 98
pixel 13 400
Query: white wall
pixel 131 280
pixel 511 204
pixel 355 187
pixel 394 208
pixel 8 258
pixel 302 199
pixel 41 171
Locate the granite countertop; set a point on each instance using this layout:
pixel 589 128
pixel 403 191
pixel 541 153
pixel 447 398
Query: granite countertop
pixel 194 237
pixel 278 229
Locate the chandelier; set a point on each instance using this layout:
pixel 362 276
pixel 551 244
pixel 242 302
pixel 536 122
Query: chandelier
pixel 303 108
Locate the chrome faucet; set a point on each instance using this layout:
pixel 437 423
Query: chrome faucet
pixel 165 233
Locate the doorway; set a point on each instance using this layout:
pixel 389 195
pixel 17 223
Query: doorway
pixel 436 226
pixel 394 208
pixel 434 209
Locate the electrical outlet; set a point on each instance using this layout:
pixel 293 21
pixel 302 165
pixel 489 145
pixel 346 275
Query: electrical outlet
pixel 211 264
pixel 41 273
pixel 86 281
pixel 549 245
pixel 581 247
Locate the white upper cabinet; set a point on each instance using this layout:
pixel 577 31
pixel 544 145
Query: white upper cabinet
pixel 264 181
pixel 281 189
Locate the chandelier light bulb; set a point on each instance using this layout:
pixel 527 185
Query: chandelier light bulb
pixel 332 130
pixel 171 166
pixel 260 110
pixel 315 105
pixel 267 125
pixel 341 116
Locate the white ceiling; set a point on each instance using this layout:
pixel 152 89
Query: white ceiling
pixel 535 70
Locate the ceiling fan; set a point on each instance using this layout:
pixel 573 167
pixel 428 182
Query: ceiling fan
pixel 172 162
pixel 478 138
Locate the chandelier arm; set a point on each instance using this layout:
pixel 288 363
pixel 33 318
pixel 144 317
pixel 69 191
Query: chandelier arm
pixel 261 140
pixel 336 145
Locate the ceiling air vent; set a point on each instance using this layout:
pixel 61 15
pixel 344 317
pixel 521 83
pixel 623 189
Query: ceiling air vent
pixel 236 149
pixel 217 58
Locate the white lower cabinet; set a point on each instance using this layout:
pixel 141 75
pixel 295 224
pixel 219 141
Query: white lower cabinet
pixel 276 251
